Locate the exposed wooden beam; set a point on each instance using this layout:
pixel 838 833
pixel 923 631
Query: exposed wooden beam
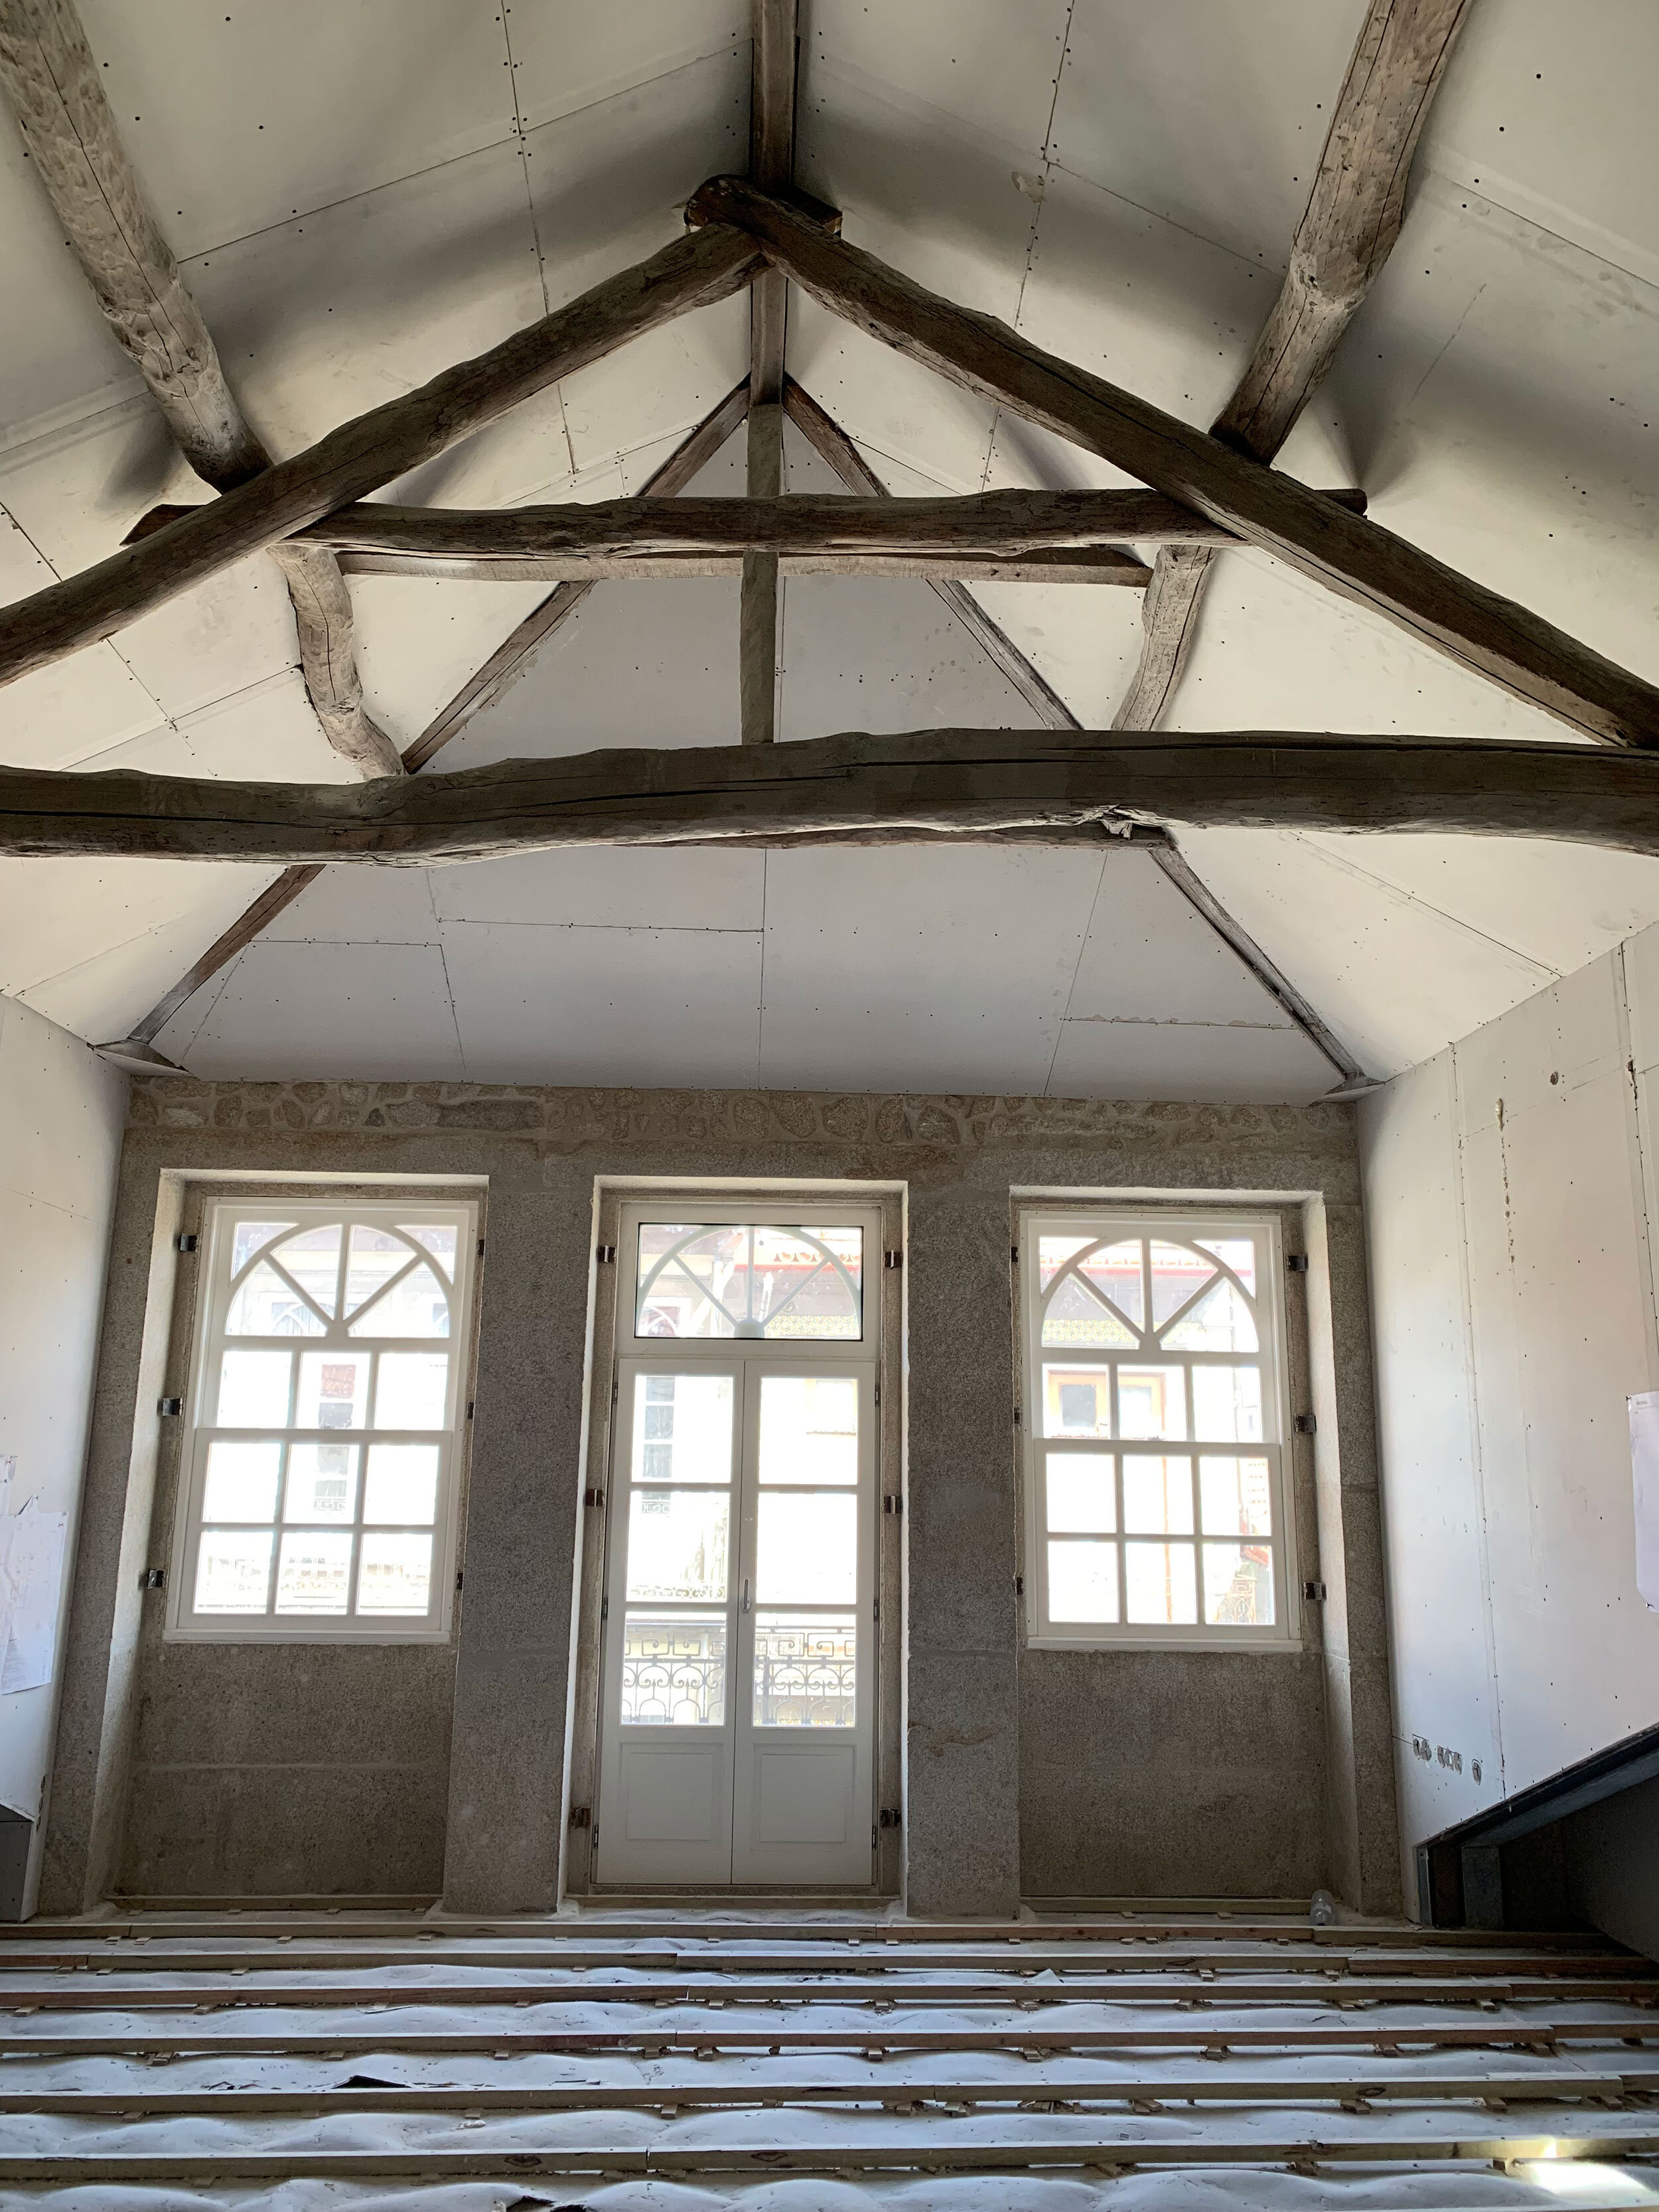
pixel 1476 627
pixel 831 441
pixel 771 164
pixel 1079 565
pixel 1347 233
pixel 1003 524
pixel 77 153
pixel 499 673
pixel 363 454
pixel 934 780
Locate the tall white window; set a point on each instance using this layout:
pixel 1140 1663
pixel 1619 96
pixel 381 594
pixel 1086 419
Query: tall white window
pixel 318 1477
pixel 1154 1422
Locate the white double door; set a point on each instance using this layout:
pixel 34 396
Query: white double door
pixel 738 1699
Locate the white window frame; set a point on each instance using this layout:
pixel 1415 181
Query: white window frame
pixel 220 1215
pixel 1106 1220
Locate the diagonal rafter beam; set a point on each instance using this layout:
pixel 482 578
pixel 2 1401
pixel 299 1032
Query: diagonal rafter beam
pixel 1476 627
pixel 49 75
pixel 832 443
pixel 498 674
pixel 362 455
pixel 1353 218
pixel 771 164
pixel 977 780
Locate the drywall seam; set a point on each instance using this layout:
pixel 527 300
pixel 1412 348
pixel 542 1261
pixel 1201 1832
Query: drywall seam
pixel 1471 1417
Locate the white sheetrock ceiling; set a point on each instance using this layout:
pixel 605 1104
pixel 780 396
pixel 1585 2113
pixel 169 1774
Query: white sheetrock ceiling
pixel 360 194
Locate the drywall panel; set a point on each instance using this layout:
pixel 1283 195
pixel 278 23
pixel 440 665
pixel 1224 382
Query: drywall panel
pixel 1129 1057
pixel 1546 108
pixel 639 887
pixel 567 57
pixel 1395 979
pixel 361 1011
pixel 360 906
pixel 884 654
pixel 419 642
pixel 887 403
pixel 1440 1596
pixel 950 973
pixel 61 1114
pixel 661 1008
pixel 75 707
pixel 1151 955
pixel 237 121
pixel 1210 118
pixel 984 66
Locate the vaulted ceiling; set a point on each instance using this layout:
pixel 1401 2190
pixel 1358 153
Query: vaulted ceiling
pixel 360 194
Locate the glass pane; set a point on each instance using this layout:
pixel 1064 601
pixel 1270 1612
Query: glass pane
pixel 1234 1496
pixel 1238 1253
pixel 1157 1495
pixel 1082 1494
pixel 1075 1315
pixel 1082 1581
pixel 415 1305
pixel 1238 1585
pixel 748 1281
pixel 1220 1322
pixel 439 1238
pixel 1227 1404
pixel 806 1670
pixel 241 1480
pixel 1151 1401
pixel 682 1428
pixel 403 1483
pixel 1077 1401
pixel 247 1237
pixel 333 1390
pixel 1114 1272
pixel 314 1571
pixel 267 1306
pixel 253 1390
pixel 673 1671
pixel 322 1482
pixel 413 1390
pixel 676 1544
pixel 809 1429
pixel 1053 1253
pixel 395 1574
pixel 1177 1272
pixel 1162 1584
pixel 313 1260
pixel 806 1548
pixel 232 1571
pixel 374 1257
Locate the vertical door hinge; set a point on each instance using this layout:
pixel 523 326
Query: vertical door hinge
pixel 605 1254
pixel 595 1498
pixel 169 1408
pixel 152 1579
pixel 894 1506
pixel 186 1244
pixel 481 1243
pixel 1296 1263
pixel 605 1607
pixel 458 1571
pixel 892 1260
pixel 889 1817
pixel 470 1403
pixel 1314 1592
pixel 878 1393
pixel 1305 1425
pixel 1019 1585
pixel 581 1816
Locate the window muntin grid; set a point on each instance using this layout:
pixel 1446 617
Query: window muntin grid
pixel 750 1280
pixel 1154 1431
pixel 318 1475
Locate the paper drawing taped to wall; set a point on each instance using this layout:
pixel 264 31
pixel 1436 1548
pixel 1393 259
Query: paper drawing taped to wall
pixel 1645 1469
pixel 31 1584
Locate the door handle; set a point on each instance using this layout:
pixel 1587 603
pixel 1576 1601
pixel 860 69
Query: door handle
pixel 745 1594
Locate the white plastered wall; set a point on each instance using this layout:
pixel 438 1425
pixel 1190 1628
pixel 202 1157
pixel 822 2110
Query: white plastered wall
pixel 1510 1187
pixel 62 1111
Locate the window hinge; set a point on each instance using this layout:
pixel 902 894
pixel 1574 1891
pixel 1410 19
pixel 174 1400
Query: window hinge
pixel 1296 1263
pixel 186 1244
pixel 605 1608
pixel 1019 1585
pixel 470 1403
pixel 892 1260
pixel 1314 1592
pixel 605 1254
pixel 1019 1417
pixel 169 1408
pixel 581 1816
pixel 615 1390
pixel 152 1579
pixel 481 1243
pixel 878 1393
pixel 894 1506
pixel 458 1576
pixel 889 1817
pixel 1013 1254
pixel 875 1610
pixel 1305 1425
pixel 593 1497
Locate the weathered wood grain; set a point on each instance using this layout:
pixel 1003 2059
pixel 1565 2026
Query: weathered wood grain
pixel 772 166
pixel 368 451
pixel 1347 233
pixel 991 525
pixel 1079 565
pixel 76 151
pixel 934 779
pixel 1476 627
